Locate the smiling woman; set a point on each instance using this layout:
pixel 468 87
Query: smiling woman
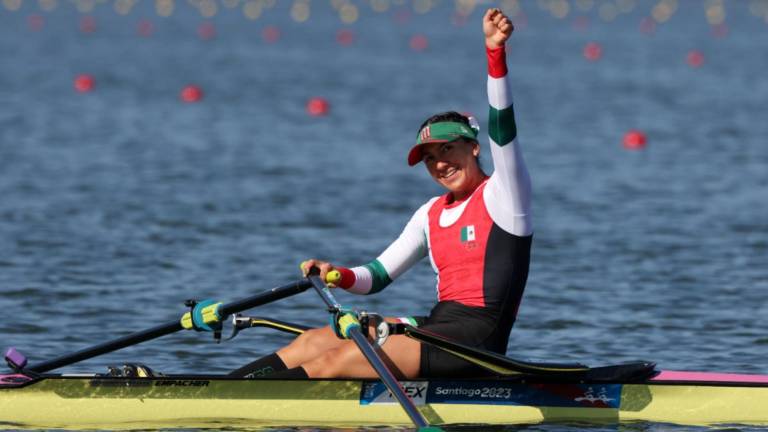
pixel 448 146
pixel 477 236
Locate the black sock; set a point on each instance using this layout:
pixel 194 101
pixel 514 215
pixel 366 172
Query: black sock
pixel 295 373
pixel 266 365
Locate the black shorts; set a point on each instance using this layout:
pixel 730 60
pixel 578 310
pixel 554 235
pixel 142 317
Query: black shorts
pixel 472 326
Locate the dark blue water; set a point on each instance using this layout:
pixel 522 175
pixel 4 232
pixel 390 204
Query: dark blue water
pixel 119 204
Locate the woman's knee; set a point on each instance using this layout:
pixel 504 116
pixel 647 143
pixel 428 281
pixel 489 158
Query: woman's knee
pixel 315 340
pixel 344 361
pixel 324 366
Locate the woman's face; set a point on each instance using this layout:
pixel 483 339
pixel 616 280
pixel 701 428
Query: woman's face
pixel 454 166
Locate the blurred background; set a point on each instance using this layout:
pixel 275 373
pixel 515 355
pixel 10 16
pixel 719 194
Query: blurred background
pixel 155 151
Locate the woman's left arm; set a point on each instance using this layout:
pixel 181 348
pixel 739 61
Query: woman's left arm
pixel 508 194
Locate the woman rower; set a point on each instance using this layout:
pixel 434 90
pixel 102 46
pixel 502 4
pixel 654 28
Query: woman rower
pixel 478 237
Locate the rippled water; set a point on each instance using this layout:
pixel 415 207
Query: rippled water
pixel 120 204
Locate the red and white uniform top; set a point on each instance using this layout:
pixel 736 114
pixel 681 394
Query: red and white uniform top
pixel 478 247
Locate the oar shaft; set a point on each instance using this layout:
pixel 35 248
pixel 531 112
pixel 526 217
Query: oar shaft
pixel 373 357
pixel 269 296
pixel 387 378
pixel 170 327
pixel 325 293
pixel 107 347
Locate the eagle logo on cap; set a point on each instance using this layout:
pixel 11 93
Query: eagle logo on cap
pixel 425 133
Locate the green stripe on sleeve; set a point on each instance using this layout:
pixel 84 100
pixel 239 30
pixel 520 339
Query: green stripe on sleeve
pixel 380 277
pixel 501 125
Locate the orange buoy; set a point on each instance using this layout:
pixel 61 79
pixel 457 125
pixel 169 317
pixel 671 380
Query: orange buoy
pixel 191 94
pixel 35 22
pixel 634 140
pixel 695 58
pixel 270 34
pixel 84 83
pixel 345 37
pixel 145 28
pixel 206 31
pixel 317 107
pixel 419 43
pixel 87 24
pixel 593 51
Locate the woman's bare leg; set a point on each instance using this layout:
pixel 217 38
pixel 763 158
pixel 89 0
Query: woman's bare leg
pixel 314 342
pixel 345 360
pixel 309 345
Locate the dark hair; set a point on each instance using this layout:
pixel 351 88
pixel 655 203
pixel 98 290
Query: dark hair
pixel 450 116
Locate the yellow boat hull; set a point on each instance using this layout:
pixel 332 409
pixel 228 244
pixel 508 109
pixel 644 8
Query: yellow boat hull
pixel 198 401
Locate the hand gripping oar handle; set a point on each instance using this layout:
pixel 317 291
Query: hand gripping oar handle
pixel 332 278
pixel 371 355
pixel 262 298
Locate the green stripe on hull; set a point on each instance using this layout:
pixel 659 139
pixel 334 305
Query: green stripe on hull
pixel 380 276
pixel 501 125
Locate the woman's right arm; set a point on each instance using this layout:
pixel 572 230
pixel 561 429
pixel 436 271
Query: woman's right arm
pixel 406 250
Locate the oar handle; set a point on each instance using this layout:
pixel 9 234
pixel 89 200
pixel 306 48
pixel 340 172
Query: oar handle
pixel 332 277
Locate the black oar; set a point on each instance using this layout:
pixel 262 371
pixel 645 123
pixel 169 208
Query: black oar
pixel 265 297
pixel 373 358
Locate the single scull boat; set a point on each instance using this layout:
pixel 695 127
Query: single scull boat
pixel 191 401
pixel 522 392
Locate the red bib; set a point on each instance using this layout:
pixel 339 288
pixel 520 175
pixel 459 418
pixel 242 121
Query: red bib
pixel 458 250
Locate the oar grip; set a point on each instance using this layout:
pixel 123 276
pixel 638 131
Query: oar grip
pixel 333 277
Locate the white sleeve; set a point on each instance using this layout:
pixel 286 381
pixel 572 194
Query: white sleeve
pixel 404 252
pixel 508 193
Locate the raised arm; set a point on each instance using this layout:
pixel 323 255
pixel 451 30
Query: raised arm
pixel 508 195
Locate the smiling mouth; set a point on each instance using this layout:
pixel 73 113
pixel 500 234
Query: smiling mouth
pixel 448 174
